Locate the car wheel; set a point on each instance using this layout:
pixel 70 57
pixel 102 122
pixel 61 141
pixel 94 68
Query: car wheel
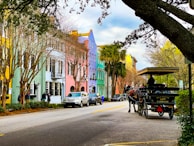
pixel 96 102
pixel 81 104
pixel 65 105
pixel 88 103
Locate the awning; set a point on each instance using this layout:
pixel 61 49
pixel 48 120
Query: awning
pixel 158 70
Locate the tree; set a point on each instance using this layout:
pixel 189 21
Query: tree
pixel 6 66
pixel 112 55
pixel 120 70
pixel 169 56
pixel 32 53
pixel 21 50
pixel 120 74
pixel 161 15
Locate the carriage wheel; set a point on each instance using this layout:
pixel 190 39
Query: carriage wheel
pixel 160 114
pixel 140 109
pixel 171 113
pixel 145 108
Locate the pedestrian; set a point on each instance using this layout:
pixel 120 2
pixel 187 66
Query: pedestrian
pixel 102 98
pixel 48 98
pixel 43 97
pixel 19 98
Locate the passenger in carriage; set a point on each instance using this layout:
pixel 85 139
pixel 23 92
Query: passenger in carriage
pixel 151 81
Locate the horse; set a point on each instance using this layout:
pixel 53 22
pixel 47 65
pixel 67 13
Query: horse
pixel 134 96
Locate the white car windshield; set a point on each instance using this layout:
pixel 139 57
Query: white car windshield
pixel 74 95
pixel 92 95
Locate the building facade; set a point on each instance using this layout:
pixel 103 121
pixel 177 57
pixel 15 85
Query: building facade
pixel 76 64
pixel 101 90
pixel 68 63
pixel 92 60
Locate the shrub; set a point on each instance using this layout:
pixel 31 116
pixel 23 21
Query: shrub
pixel 27 106
pixel 183 99
pixel 183 111
pixel 53 106
pixel 14 106
pixel 60 105
pixel 38 104
pixel 187 133
pixel 1 109
pixel 106 99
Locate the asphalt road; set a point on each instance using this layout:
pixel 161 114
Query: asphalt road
pixel 103 125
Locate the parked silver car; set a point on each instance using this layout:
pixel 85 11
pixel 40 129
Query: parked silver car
pixel 125 96
pixel 76 98
pixel 117 97
pixel 94 99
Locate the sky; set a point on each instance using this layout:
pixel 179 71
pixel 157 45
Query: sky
pixel 116 26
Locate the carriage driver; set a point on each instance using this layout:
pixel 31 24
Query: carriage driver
pixel 151 81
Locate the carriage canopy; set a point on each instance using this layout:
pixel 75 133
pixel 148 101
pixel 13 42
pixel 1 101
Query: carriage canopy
pixel 158 70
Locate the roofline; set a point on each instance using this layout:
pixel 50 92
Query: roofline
pixel 158 70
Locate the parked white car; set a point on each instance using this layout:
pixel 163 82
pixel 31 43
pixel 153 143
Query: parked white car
pixel 76 98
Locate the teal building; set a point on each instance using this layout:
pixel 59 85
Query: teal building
pixel 101 90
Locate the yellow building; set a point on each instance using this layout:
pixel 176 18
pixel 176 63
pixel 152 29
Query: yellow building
pixel 5 57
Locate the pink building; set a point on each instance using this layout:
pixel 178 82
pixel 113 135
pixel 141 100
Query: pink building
pixel 76 55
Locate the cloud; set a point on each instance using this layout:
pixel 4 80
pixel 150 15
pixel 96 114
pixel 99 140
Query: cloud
pixel 116 26
pixel 138 51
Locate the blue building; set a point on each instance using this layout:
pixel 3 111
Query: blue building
pixel 92 60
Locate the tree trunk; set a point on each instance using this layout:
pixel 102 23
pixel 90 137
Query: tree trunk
pixel 3 97
pixel 113 81
pixel 22 92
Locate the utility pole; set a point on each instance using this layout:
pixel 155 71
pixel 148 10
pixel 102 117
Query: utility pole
pixel 190 93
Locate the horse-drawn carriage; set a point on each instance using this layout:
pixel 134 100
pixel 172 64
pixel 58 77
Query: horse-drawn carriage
pixel 157 97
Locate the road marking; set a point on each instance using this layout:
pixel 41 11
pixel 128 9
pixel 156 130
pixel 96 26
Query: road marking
pixel 143 142
pixel 108 109
pixel 1 134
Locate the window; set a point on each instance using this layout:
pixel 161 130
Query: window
pixel 84 71
pixel 60 66
pixel 56 89
pixel 32 88
pixel 60 85
pixel 72 88
pixel 72 69
pixel 53 67
pixel 47 87
pixel 51 88
pixel 69 68
pixel 82 88
pixel 50 64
